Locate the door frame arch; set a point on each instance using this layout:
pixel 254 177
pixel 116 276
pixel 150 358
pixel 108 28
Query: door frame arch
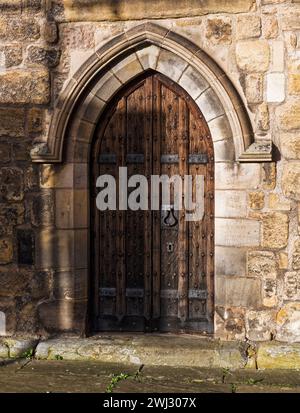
pixel 65 157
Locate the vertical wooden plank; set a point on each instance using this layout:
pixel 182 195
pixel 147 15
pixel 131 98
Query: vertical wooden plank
pixel 148 95
pixel 156 241
pixel 183 224
pixel 120 216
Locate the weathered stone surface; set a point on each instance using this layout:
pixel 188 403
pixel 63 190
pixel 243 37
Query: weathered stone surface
pixel 292 285
pixel 12 122
pixel 261 263
pixel 6 250
pixel 79 36
pixel 278 356
pixel 269 175
pixel 13 281
pixel 290 22
pixel 269 291
pixel 289 116
pixel 230 261
pixel 64 176
pixel 41 209
pixel 11 184
pixel 256 200
pixel 253 55
pixel 17 348
pixel 63 315
pixel 5 152
pixel 13 55
pixel 77 10
pixel 270 27
pixel 290 145
pixel 237 232
pixel 230 323
pixel 260 325
pixel 237 176
pixel 288 322
pixel 275 87
pixel 71 285
pixel 230 203
pixel 19 29
pixel 254 88
pixel 47 57
pixel 71 208
pixel 274 230
pixel 219 30
pixel 25 87
pixel 50 32
pixel 10 215
pixel 248 26
pixel 262 117
pixel 277 202
pixel 238 292
pixel 35 120
pixel 294 83
pixel 283 261
pixel 278 56
pixel 291 180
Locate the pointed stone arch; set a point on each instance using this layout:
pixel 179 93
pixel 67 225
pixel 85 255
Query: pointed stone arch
pixel 148 47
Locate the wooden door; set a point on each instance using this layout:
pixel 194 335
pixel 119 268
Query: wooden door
pixel 153 270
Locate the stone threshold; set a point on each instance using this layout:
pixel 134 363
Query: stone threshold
pixel 156 350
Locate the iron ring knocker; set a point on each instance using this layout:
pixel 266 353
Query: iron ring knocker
pixel 170 212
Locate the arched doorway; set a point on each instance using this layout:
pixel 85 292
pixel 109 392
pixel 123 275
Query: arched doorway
pixel 153 270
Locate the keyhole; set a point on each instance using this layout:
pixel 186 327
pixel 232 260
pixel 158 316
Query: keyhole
pixel 170 247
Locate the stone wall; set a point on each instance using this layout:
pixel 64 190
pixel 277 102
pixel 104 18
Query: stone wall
pixel 257 44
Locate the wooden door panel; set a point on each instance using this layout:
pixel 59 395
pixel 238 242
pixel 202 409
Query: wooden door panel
pixel 150 275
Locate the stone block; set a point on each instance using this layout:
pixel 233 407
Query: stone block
pixel 11 184
pixel 171 65
pixel 290 182
pixel 13 55
pixel 256 200
pixel 48 57
pixel 254 88
pixel 230 323
pixel 50 32
pixel 275 226
pixel 288 321
pixel 64 176
pixel 5 152
pixel 237 176
pixel 294 83
pixel 230 204
pixel 63 315
pixel 230 261
pixel 71 208
pixel 219 128
pixel 224 150
pixel 19 29
pixel 237 232
pixel 253 55
pixel 75 10
pixel 193 83
pixel 283 261
pixel 148 57
pixel 262 117
pixel 210 105
pixel 62 249
pixel 270 26
pixel 219 30
pixel 290 22
pixel 10 215
pixel 261 264
pixel 248 26
pixel 275 87
pixel 238 292
pixel 278 203
pixel 269 175
pixel 128 68
pixel 106 87
pixel 69 285
pixel 12 122
pixel 292 285
pixel 289 116
pixel 35 120
pixel 272 355
pixel 278 56
pixel 25 87
pixel 260 325
pixel 6 250
pixel 41 209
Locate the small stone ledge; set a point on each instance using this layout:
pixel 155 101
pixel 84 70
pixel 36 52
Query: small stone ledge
pixel 276 355
pixel 14 348
pixel 260 151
